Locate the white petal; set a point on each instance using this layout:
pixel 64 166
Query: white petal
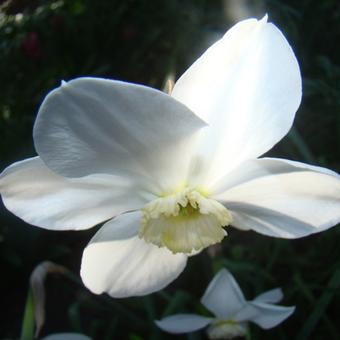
pixel 254 169
pixel 117 262
pixel 281 198
pixel 66 336
pixel 223 297
pixel 247 87
pixel 271 296
pixel 183 323
pixel 40 197
pixel 263 314
pixel 93 125
pixel 302 166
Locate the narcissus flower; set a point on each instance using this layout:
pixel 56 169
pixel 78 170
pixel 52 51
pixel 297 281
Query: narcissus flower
pixel 170 172
pixel 232 311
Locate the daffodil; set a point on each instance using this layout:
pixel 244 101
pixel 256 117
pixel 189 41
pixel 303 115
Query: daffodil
pixel 232 311
pixel 170 173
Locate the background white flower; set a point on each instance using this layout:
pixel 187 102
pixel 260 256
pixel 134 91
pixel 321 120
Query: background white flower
pixel 232 311
pixel 177 169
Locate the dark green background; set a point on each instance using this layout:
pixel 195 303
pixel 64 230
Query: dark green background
pixel 142 41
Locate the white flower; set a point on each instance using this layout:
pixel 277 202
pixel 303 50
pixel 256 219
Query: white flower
pixel 174 170
pixel 225 300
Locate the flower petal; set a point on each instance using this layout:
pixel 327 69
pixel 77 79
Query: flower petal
pixel 223 297
pixel 117 262
pixel 263 314
pixel 183 323
pixel 281 198
pixel 93 125
pixel 66 336
pixel 40 197
pixel 247 87
pixel 271 296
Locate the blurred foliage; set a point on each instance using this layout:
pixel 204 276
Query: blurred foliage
pixel 43 42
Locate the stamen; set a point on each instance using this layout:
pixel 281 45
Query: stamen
pixel 184 222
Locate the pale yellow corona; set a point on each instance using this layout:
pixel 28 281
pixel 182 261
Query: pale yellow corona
pixel 184 221
pixel 226 329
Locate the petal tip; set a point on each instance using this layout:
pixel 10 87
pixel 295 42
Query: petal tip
pixel 264 20
pixel 158 323
pixel 292 310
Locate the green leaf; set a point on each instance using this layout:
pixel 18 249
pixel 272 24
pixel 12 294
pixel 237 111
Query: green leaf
pixel 301 145
pixel 320 307
pixel 178 301
pixel 27 329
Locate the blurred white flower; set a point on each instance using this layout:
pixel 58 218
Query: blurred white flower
pixel 174 169
pixel 232 311
pixel 37 284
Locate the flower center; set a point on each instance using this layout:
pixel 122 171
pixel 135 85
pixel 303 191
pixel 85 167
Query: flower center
pixel 226 329
pixel 185 221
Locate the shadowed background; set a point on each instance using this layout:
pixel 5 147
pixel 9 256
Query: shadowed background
pixel 143 41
